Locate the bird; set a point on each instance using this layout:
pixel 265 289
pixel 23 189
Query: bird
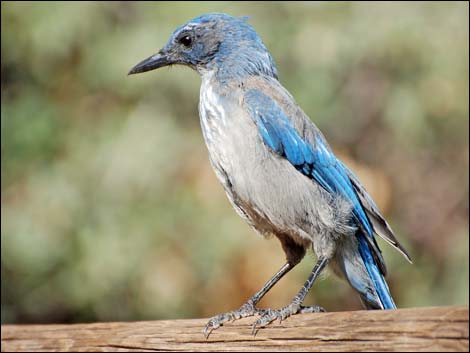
pixel 276 167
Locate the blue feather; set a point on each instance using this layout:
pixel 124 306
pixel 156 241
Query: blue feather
pixel 279 134
pixel 375 274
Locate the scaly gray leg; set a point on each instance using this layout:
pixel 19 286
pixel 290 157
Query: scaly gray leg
pixel 247 309
pixel 295 307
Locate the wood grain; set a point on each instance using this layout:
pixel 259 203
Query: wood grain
pixel 420 329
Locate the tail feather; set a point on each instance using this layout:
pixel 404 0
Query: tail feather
pixel 355 261
pixel 377 277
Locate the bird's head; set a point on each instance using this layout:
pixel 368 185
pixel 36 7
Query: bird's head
pixel 214 43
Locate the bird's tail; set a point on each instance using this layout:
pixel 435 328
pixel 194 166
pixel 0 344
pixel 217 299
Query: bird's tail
pixel 361 270
pixel 376 276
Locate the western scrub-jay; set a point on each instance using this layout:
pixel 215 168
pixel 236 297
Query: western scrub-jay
pixel 276 167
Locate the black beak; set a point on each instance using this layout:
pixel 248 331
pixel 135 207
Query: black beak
pixel 152 63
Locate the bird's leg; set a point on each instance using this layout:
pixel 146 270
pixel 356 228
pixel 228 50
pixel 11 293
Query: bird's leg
pixel 249 308
pixel 295 307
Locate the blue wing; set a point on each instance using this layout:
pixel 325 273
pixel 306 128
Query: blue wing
pixel 316 161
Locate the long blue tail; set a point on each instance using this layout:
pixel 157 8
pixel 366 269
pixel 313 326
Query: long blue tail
pixel 376 276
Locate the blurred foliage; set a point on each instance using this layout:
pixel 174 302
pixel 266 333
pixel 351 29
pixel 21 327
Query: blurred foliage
pixel 110 209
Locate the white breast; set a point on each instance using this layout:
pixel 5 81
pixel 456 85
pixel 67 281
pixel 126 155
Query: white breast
pixel 212 113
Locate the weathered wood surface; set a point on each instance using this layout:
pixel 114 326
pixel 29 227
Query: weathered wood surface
pixel 421 329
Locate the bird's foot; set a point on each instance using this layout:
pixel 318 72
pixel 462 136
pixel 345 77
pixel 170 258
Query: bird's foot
pixel 246 310
pixel 269 315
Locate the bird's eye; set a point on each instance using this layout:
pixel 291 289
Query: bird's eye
pixel 186 40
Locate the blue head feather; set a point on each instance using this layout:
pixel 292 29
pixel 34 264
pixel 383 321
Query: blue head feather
pixel 220 43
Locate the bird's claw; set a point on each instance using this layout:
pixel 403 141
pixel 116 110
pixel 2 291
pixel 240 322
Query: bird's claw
pixel 266 316
pixel 270 315
pixel 246 310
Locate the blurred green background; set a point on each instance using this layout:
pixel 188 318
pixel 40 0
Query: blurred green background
pixel 110 209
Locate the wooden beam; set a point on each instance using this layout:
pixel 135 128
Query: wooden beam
pixel 420 329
